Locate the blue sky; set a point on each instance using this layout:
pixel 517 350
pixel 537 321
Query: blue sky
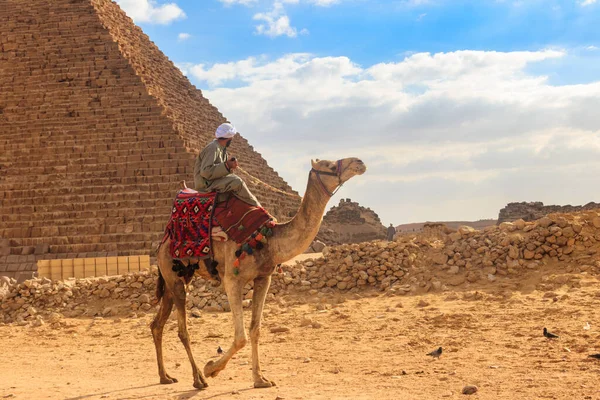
pixel 457 107
pixel 369 32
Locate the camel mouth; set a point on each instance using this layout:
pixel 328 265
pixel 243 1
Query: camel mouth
pixel 361 168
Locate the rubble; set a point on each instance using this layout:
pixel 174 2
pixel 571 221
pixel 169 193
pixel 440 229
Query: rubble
pixel 412 264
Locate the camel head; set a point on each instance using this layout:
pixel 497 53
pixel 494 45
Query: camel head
pixel 332 174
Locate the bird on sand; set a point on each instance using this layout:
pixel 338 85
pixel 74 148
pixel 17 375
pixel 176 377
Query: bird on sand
pixel 219 350
pixel 550 335
pixel 595 356
pixel 436 353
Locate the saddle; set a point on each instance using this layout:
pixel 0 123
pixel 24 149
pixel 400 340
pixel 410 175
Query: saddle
pixel 199 219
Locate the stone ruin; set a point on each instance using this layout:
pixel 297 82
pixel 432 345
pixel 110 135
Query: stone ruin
pixel 97 127
pixel 530 211
pixel 348 222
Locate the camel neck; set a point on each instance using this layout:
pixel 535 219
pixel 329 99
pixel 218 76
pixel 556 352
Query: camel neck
pixel 294 237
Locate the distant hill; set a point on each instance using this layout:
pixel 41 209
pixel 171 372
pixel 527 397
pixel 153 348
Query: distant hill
pixel 418 226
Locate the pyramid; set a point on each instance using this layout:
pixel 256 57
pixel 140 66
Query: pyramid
pixel 97 128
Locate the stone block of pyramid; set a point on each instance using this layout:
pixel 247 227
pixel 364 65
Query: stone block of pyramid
pixel 97 127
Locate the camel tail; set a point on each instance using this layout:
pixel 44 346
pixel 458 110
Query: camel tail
pixel 160 286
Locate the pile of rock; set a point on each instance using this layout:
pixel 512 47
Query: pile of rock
pixel 531 211
pixel 411 264
pixel 464 256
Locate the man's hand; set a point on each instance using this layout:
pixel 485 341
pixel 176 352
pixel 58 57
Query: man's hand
pixel 232 163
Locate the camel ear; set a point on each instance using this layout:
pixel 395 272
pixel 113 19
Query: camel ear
pixel 314 163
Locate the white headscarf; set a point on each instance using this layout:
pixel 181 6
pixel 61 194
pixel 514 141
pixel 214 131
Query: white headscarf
pixel 225 131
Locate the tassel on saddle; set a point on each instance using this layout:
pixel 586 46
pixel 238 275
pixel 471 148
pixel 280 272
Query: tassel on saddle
pixel 187 271
pixel 211 267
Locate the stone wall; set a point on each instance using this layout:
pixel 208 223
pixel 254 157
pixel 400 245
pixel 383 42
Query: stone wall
pixel 557 248
pixel 97 127
pixel 348 222
pixel 530 211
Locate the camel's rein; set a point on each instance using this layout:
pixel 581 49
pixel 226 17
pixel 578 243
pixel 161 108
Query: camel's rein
pixel 338 173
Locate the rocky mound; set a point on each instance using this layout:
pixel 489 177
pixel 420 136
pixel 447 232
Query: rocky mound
pixel 348 222
pixel 418 227
pixel 530 211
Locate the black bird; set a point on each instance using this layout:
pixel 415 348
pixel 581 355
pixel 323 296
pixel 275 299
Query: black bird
pixel 550 335
pixel 219 350
pixel 436 353
pixel 595 356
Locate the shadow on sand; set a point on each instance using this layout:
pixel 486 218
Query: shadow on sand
pixel 187 394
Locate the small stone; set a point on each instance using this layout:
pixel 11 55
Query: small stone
pixel 280 329
pixel 440 259
pixel 144 298
pixel 306 360
pixel 470 389
pixel 519 224
pixel 349 261
pixel 54 318
pixel 544 222
pixel 422 303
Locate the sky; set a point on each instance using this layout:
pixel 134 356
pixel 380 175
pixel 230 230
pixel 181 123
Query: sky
pixel 457 107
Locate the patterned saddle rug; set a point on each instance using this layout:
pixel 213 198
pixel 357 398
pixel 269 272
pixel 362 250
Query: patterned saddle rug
pixel 189 227
pixel 196 221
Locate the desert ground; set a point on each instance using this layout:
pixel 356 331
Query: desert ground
pixel 370 345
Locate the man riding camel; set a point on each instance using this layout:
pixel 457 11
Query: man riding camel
pixel 213 169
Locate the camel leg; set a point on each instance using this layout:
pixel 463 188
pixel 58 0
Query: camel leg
pixel 179 296
pixel 234 295
pixel 261 287
pixel 166 306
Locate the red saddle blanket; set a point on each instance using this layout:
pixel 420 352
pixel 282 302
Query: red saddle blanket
pixel 239 219
pixel 194 214
pixel 190 226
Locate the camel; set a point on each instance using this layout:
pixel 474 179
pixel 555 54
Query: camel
pixel 289 240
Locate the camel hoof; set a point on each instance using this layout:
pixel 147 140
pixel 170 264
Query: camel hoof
pixel 209 370
pixel 264 384
pixel 167 380
pixel 200 385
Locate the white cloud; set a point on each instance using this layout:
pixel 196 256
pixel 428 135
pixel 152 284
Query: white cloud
pixel 243 2
pixel 591 48
pixel 149 11
pixel 325 3
pixel 183 36
pixel 416 3
pixel 421 16
pixel 587 2
pixel 433 129
pixel 277 23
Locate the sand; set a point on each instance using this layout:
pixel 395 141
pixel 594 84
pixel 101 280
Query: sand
pixel 368 346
